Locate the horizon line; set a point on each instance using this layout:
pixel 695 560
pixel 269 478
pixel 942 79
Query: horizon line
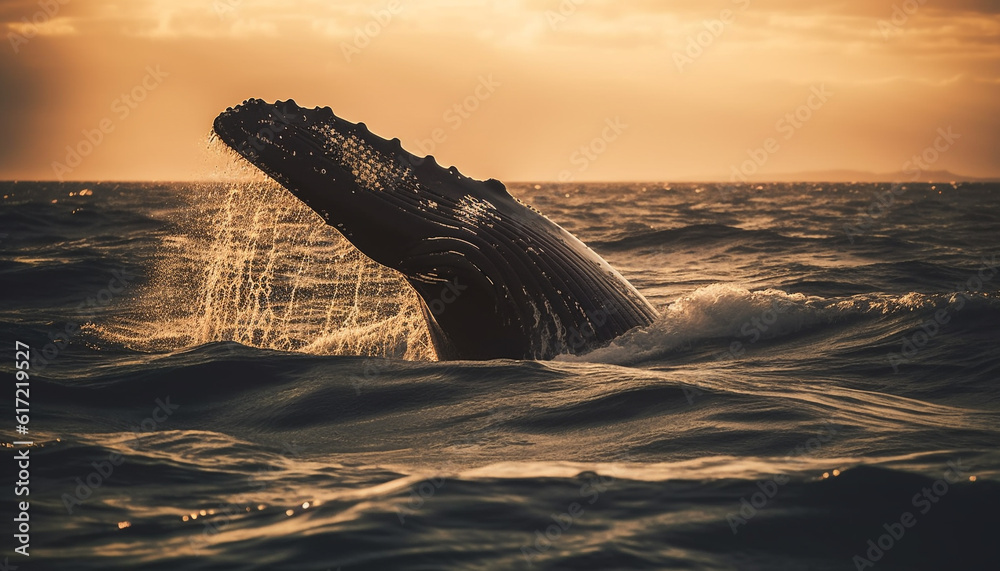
pixel 959 179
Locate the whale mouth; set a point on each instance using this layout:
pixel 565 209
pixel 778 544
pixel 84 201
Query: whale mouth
pixel 355 180
pixel 269 135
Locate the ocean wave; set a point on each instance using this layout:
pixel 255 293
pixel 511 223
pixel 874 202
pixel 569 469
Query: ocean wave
pixel 702 235
pixel 726 311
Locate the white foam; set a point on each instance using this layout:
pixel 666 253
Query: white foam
pixel 733 312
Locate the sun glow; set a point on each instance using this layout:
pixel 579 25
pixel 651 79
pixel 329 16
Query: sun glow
pixel 698 84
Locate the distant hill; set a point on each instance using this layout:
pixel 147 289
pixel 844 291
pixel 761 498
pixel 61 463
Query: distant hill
pixel 863 176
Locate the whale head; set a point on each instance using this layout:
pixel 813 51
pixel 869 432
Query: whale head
pixel 373 191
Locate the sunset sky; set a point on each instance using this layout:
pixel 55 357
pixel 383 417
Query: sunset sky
pixel 689 94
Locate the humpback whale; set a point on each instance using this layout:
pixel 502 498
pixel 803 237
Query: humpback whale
pixel 497 279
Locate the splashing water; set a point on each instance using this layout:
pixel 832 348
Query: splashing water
pixel 255 266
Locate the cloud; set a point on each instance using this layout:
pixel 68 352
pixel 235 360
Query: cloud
pixel 597 59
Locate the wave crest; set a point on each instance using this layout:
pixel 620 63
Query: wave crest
pixel 734 312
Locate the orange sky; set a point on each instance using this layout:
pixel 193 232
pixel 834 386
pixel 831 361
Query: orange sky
pixel 689 94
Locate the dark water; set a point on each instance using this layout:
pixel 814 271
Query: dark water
pixel 217 382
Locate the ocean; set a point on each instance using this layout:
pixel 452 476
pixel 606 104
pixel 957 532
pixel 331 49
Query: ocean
pixel 216 380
